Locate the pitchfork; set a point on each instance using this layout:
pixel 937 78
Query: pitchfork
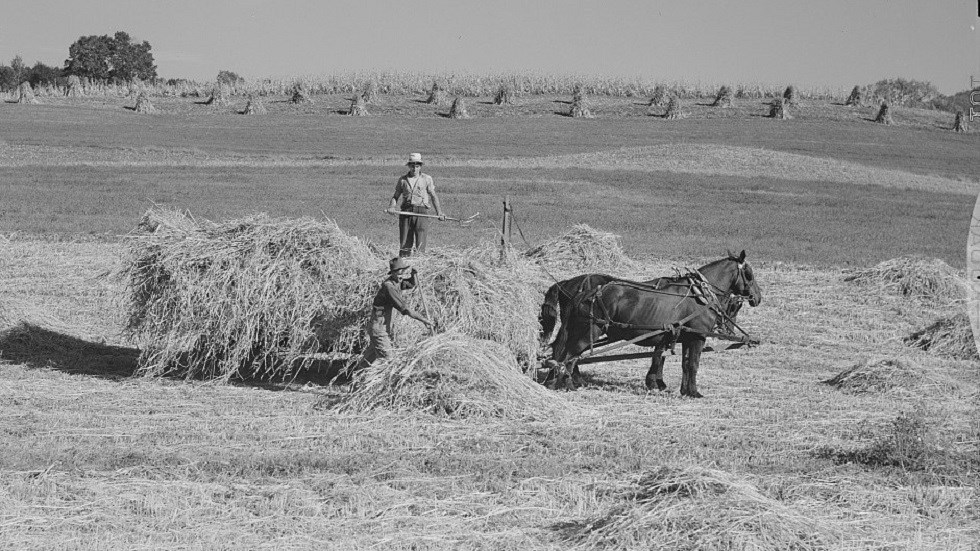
pixel 464 222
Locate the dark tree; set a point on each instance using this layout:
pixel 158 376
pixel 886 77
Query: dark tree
pixel 43 74
pixel 116 57
pixel 229 78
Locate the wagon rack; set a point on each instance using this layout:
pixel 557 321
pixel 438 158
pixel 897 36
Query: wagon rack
pixel 700 288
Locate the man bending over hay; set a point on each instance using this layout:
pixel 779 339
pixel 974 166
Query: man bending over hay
pixel 416 194
pixel 401 277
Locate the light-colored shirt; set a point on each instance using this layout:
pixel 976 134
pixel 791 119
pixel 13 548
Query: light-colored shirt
pixel 417 191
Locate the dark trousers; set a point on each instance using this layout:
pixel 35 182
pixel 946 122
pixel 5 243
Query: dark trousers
pixel 412 231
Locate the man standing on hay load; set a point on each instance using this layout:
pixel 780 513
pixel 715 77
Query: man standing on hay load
pixel 416 194
pixel 401 277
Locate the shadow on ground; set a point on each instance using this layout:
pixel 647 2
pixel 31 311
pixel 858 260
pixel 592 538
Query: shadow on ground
pixel 37 347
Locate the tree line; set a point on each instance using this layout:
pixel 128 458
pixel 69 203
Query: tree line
pixel 105 58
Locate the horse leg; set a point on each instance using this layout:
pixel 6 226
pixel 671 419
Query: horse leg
pixel 655 376
pixel 690 360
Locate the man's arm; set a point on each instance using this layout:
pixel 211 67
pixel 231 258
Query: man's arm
pixel 395 199
pixel 435 200
pixel 398 303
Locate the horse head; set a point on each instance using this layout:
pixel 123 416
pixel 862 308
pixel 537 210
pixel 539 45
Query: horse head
pixel 734 275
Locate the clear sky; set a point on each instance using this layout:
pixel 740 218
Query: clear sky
pixel 811 43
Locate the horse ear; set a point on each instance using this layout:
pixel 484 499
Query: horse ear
pixel 741 256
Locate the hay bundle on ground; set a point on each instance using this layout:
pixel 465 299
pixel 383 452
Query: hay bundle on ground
pixel 250 297
pixel 458 110
pixel 914 276
pixel 724 98
pixel 582 247
pixel 370 91
pixel 697 508
pixel 778 110
pixel 437 96
pixel 254 106
pixel 456 375
pixel 358 106
pixel 74 88
pixel 948 336
pixel 25 94
pixel 505 94
pixel 876 374
pixel 673 110
pixel 472 292
pixel 959 123
pixel 885 114
pixel 659 97
pixel 143 104
pixel 301 94
pixel 219 97
pixel 580 106
pixel 855 99
pixel 791 96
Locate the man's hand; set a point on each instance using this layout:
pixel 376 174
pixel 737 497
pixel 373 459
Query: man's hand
pixel 442 217
pixel 389 210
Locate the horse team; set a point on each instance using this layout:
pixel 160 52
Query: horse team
pixel 597 309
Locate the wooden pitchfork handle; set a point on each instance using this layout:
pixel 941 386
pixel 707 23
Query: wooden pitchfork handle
pixel 463 221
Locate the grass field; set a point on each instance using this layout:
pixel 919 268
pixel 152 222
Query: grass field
pixel 91 458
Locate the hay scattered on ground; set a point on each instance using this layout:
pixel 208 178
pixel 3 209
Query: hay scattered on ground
pixel 582 247
pixel 250 297
pixel 144 105
pixel 855 99
pixel 358 106
pixel 877 374
pixel 370 91
pixel 25 94
pixel 885 114
pixel 437 96
pixel 914 276
pixel 696 509
pixel 456 375
pixel 724 98
pixel 949 336
pixel 505 95
pixel 458 110
pixel 778 109
pixel 254 106
pixel 472 292
pixel 959 123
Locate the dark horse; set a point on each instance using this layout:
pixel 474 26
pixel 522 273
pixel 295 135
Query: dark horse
pixel 598 305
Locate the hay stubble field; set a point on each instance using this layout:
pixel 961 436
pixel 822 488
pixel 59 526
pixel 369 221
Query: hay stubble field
pixel 93 458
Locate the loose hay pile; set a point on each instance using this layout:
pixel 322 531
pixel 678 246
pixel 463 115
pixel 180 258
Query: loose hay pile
pixel 219 97
pixel 724 98
pixel 471 292
pixel 580 108
pixel 582 247
pixel 74 87
pixel 301 94
pixel 144 105
pixel 856 99
pixel 239 298
pixel 948 336
pixel 885 114
pixel 778 110
pixel 458 110
pixel 791 96
pixel 701 509
pixel 928 279
pixel 358 106
pixel 456 375
pixel 876 375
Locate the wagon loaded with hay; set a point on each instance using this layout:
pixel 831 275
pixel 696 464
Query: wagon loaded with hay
pixel 259 297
